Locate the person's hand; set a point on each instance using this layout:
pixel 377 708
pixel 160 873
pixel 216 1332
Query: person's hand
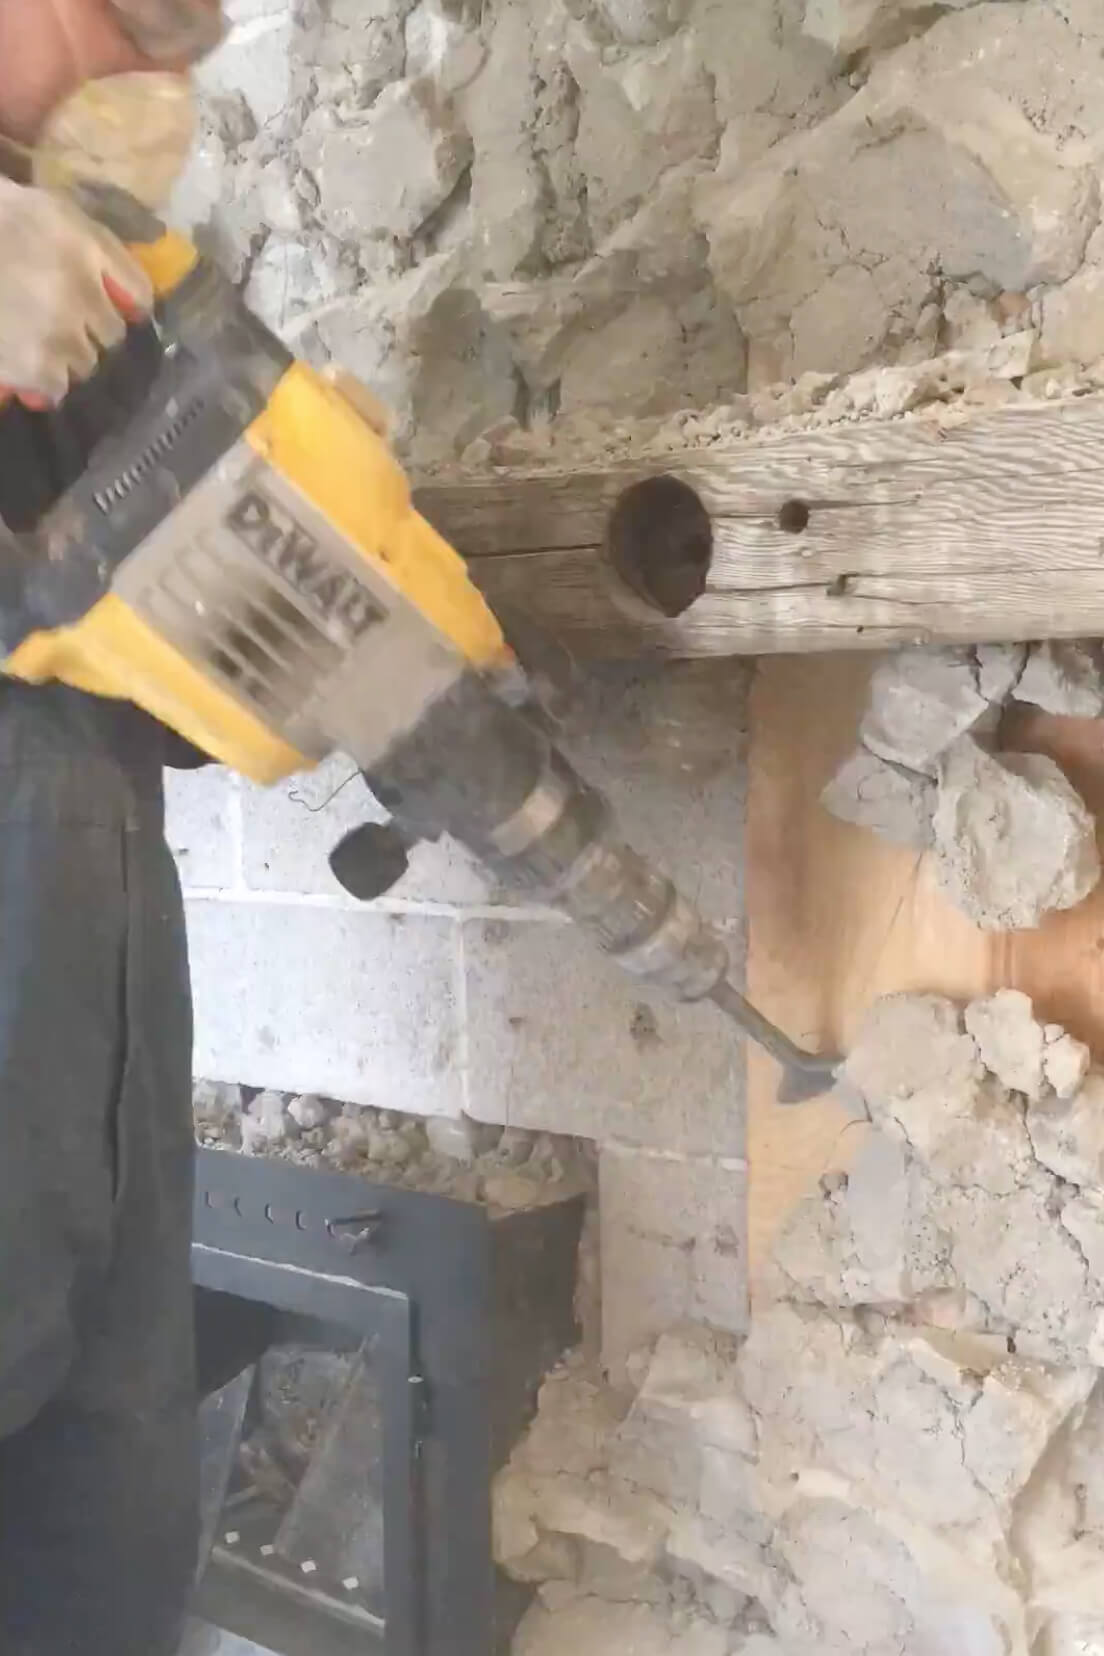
pixel 132 131
pixel 170 31
pixel 49 48
pixel 68 288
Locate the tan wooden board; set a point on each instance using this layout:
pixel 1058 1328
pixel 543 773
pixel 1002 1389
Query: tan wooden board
pixel 837 917
pixel 991 528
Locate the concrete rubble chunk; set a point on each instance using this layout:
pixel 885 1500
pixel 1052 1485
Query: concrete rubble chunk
pixel 894 802
pixel 1010 1040
pixel 265 1123
pixel 633 22
pixel 720 1556
pixel 910 1044
pixel 1013 840
pixel 972 1136
pixel 850 26
pixel 860 1588
pixel 1068 1134
pixel 856 1241
pixel 557 1483
pixel 1022 1268
pixel 1073 319
pixel 217 1109
pixel 917 1422
pixel 1083 1218
pixel 500 110
pixel 920 701
pixel 308 1112
pixel 829 1398
pixel 1071 1635
pixel 912 1419
pixel 1060 1535
pixel 637 115
pixel 691 1380
pixel 593 1627
pixel 390 172
pixel 1065 1061
pixel 440 47
pixel 824 279
pixel 575 1417
pixel 954 1202
pixel 999 669
pixel 629 1521
pixel 1064 676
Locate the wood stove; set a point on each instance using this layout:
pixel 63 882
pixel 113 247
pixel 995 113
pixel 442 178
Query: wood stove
pixel 450 1316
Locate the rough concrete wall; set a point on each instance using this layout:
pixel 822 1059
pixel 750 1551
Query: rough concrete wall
pixel 525 207
pixel 905 1453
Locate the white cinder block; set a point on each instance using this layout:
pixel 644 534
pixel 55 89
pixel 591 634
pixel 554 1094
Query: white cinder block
pixel 197 825
pixel 357 1005
pixel 667 744
pixel 560 1039
pixel 289 831
pixel 673 1247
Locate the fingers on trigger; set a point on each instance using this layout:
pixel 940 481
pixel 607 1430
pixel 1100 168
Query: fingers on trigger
pixel 126 306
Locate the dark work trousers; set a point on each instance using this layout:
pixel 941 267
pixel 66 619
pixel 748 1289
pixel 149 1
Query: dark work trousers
pixel 97 1398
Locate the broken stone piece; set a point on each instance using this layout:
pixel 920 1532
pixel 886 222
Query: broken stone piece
pixel 396 167
pixel 1083 1217
pixel 264 1124
pixel 639 22
pixel 217 1109
pixel 308 1112
pixel 892 801
pixel 591 1626
pixel 1010 1041
pixel 1013 840
pixel 449 1137
pixel 850 26
pixel 1065 1061
pixel 1064 676
pixel 920 702
pixel 999 669
pixel 1068 1134
pixel 910 1044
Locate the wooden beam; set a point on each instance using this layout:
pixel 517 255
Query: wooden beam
pixel 989 528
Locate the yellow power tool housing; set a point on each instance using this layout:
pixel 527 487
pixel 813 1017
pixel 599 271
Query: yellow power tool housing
pixel 242 559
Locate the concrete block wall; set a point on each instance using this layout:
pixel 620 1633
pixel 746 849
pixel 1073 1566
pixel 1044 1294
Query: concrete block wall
pixel 449 998
pixel 448 995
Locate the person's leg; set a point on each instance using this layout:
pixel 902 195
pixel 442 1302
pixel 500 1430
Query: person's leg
pixel 97 1390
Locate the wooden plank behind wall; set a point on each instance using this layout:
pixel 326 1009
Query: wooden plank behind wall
pixel 837 917
pixel 986 529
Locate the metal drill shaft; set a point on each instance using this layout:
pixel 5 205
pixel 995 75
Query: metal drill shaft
pixel 565 837
pixel 486 774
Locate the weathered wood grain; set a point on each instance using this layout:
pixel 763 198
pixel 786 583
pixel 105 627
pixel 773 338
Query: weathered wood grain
pixel 988 529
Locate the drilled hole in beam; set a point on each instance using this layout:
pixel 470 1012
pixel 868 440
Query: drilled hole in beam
pixel 660 543
pixel 793 517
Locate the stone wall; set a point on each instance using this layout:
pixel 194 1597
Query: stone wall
pixel 519 208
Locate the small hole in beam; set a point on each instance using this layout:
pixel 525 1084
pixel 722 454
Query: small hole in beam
pixel 660 542
pixel 793 517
